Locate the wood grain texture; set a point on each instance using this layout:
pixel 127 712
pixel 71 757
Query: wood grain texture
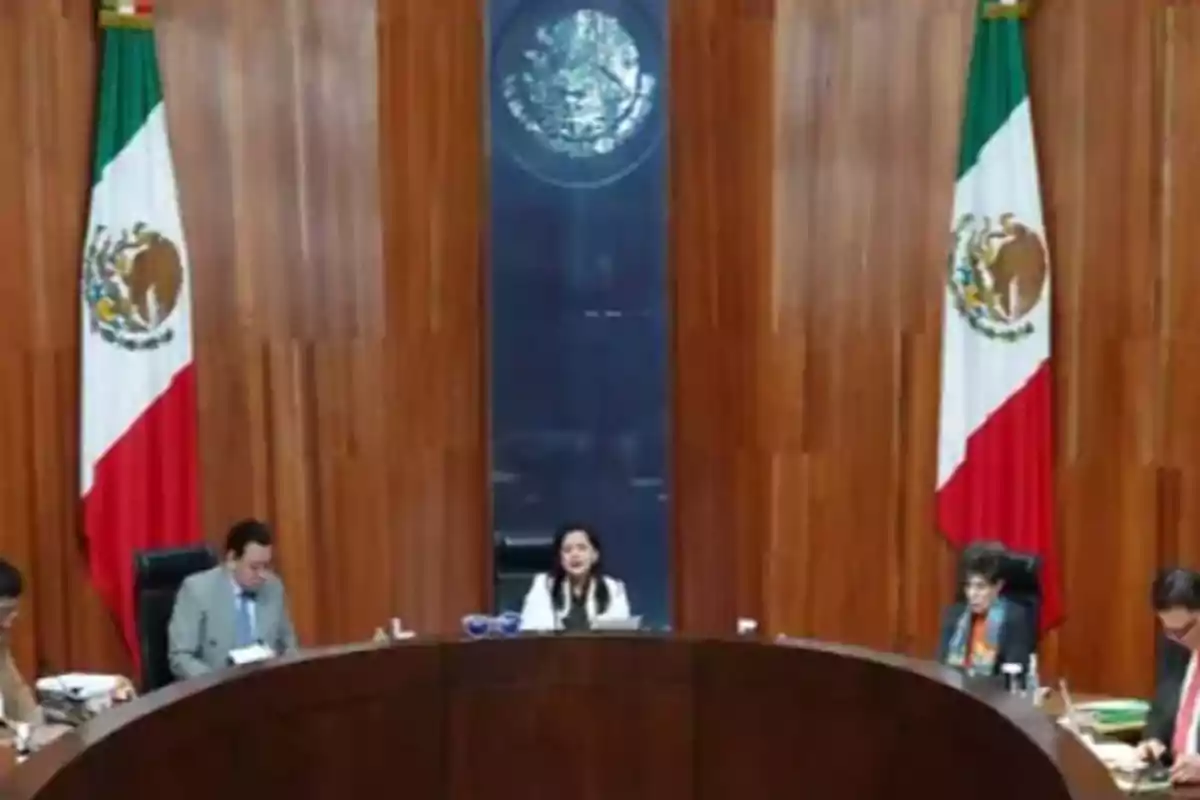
pixel 332 190
pixel 665 717
pixel 330 174
pixel 331 179
pixel 814 146
pixel 46 97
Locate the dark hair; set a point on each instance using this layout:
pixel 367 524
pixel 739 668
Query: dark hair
pixel 986 562
pixel 1176 588
pixel 11 583
pixel 558 575
pixel 247 532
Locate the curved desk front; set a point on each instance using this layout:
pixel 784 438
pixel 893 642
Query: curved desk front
pixel 608 717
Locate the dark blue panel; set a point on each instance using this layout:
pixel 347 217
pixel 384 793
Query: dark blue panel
pixel 577 150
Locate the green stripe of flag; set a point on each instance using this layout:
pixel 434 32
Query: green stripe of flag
pixel 130 89
pixel 996 84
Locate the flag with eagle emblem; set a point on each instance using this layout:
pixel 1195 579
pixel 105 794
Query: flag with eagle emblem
pixel 995 442
pixel 138 459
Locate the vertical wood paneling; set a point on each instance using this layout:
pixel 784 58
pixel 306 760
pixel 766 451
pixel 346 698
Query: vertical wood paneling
pixel 46 86
pixel 331 170
pixel 721 150
pixel 432 177
pixel 341 345
pixel 823 465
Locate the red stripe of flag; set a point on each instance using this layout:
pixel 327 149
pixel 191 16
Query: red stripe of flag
pixel 144 495
pixel 1003 490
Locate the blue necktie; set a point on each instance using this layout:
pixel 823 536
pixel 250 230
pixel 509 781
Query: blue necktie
pixel 244 632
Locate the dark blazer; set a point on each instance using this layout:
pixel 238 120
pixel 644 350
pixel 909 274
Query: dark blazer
pixel 1172 663
pixel 1016 634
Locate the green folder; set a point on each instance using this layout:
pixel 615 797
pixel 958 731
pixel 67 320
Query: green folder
pixel 1110 714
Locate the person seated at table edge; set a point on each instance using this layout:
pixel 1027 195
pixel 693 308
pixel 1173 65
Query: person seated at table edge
pixel 17 701
pixel 575 592
pixel 1171 725
pixel 236 604
pixel 986 631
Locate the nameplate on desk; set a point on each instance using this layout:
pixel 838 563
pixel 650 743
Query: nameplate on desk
pixel 81 685
pixel 250 655
pixel 617 624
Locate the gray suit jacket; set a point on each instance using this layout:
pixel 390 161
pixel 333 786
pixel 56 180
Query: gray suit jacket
pixel 203 627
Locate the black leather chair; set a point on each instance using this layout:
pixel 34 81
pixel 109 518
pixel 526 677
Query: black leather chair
pixel 517 559
pixel 157 575
pixel 1023 586
pixel 1022 581
pixel 1170 658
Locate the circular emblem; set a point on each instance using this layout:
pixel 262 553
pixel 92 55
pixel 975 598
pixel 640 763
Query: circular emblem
pixel 132 281
pixel 577 92
pixel 998 274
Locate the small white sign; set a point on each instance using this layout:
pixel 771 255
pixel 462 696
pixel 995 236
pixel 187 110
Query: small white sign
pixel 250 655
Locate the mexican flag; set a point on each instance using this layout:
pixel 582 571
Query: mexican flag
pixel 995 437
pixel 138 458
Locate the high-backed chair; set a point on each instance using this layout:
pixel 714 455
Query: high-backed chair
pixel 1022 582
pixel 157 576
pixel 1023 585
pixel 517 559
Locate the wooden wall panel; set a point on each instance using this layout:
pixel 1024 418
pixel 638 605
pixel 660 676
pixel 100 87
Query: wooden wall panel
pixel 808 313
pixel 331 173
pixel 330 164
pixel 332 192
pixel 433 182
pixel 46 89
pixel 720 191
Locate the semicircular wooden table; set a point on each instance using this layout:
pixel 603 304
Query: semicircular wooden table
pixel 624 717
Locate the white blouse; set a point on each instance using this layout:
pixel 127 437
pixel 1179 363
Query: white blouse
pixel 539 614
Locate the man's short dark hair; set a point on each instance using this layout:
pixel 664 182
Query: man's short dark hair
pixel 11 583
pixel 986 562
pixel 1176 588
pixel 247 532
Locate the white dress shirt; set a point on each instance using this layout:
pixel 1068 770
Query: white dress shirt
pixel 1188 677
pixel 240 597
pixel 539 614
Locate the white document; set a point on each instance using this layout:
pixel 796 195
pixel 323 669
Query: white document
pixel 80 685
pixel 1117 755
pixel 250 655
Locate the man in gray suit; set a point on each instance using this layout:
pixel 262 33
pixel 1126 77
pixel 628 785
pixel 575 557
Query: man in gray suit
pixel 236 604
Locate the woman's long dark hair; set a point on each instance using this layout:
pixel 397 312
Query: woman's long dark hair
pixel 558 575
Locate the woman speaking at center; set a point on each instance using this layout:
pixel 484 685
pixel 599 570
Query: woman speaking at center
pixel 575 592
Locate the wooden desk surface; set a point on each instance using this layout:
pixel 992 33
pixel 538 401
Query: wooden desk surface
pixel 1054 707
pixel 636 717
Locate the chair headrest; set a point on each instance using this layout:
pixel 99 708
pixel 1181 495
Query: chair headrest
pixel 524 553
pixel 1022 574
pixel 166 568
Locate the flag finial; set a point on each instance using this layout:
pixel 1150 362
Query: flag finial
pixel 1006 9
pixel 126 14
